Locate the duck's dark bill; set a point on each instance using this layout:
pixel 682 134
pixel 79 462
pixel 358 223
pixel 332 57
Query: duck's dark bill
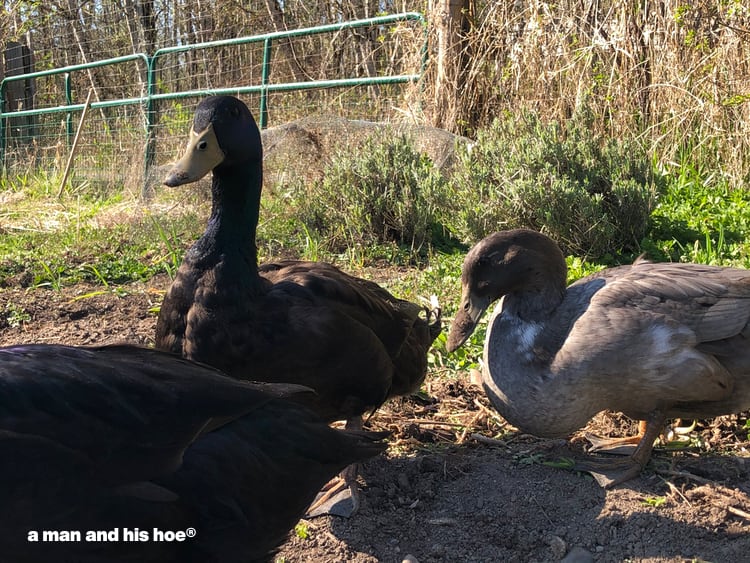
pixel 464 323
pixel 201 156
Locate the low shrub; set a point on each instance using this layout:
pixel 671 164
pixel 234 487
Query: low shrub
pixel 382 193
pixel 592 196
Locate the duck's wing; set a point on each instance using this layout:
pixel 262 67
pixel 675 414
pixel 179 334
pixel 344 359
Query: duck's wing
pixel 402 329
pixel 85 431
pixel 711 301
pixel 47 487
pixel 250 481
pixel 367 302
pixel 641 338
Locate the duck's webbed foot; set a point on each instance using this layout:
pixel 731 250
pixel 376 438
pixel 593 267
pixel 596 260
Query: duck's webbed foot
pixel 609 473
pixel 340 496
pixel 617 446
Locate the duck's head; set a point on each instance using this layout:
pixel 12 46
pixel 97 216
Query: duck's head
pixel 504 263
pixel 224 135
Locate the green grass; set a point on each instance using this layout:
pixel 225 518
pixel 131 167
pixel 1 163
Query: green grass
pixel 98 238
pixel 700 219
pixel 116 254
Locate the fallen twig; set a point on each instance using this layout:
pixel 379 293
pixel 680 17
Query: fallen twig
pixel 738 512
pixel 685 475
pixel 676 491
pixel 487 440
pixel 501 421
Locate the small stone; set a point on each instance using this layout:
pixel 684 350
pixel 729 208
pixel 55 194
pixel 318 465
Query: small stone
pixel 558 546
pixel 409 559
pixel 578 555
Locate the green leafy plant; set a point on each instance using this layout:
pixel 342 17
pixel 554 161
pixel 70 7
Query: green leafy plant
pixel 16 315
pixel 655 502
pixel 301 530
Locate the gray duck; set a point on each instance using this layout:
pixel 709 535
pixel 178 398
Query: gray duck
pixel 117 437
pixel 292 321
pixel 654 341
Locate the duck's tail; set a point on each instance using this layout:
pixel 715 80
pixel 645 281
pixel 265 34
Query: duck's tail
pixel 433 313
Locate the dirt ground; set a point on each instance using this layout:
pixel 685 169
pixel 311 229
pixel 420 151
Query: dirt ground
pixel 459 484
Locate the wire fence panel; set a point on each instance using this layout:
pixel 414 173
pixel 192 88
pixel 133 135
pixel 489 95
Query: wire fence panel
pixel 141 105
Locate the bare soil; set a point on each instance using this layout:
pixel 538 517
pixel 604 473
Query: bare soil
pixel 460 484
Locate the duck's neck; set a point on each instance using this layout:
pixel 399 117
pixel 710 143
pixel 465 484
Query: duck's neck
pixel 536 302
pixel 234 214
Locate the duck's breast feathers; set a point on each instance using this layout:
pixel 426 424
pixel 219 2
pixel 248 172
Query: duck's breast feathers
pixel 713 302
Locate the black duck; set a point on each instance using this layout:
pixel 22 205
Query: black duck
pixel 291 321
pixel 121 437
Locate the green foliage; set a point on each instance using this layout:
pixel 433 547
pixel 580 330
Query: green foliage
pixel 15 315
pixel 302 531
pixel 384 193
pixel 654 502
pixel 74 253
pixel 592 196
pixel 699 218
pixel 579 268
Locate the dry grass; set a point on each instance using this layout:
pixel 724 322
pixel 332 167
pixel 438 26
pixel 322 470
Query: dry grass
pixel 673 72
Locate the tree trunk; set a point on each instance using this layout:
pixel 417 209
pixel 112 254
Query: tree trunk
pixel 451 20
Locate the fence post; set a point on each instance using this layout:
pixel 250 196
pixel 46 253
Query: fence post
pixel 2 127
pixel 265 73
pixel 68 101
pixel 149 156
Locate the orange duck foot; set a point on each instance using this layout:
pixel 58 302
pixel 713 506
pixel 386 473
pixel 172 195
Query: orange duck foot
pixel 617 446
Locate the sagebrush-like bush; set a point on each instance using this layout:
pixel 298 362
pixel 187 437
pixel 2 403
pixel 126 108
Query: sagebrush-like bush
pixel 384 192
pixel 592 196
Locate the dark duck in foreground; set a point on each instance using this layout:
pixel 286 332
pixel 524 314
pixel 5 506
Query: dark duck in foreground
pixel 310 323
pixel 121 437
pixel 652 340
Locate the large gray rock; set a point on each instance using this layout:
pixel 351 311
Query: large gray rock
pixel 304 148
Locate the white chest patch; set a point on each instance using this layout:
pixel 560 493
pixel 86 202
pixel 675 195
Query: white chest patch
pixel 527 334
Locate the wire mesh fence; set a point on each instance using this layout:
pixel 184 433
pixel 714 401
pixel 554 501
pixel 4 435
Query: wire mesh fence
pixel 142 104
